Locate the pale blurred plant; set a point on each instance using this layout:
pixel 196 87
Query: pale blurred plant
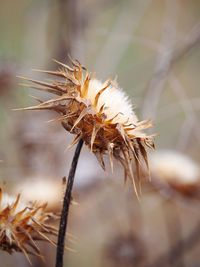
pixel 175 172
pixel 42 188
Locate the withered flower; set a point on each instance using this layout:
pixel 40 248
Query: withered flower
pixel 98 113
pixel 21 225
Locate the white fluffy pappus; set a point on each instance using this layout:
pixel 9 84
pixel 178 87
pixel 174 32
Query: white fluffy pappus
pixel 115 101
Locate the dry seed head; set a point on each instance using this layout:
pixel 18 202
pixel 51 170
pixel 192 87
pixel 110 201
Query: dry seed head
pixel 21 225
pixel 99 113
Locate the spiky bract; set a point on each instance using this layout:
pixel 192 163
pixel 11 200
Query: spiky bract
pixel 21 225
pixel 99 113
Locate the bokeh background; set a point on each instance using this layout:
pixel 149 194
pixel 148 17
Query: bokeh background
pixel 153 46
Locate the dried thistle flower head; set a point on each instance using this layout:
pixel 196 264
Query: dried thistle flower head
pixel 177 171
pixel 22 225
pixel 99 113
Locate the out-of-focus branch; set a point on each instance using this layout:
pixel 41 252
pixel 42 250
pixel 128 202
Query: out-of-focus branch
pixel 172 109
pixel 159 77
pixel 174 229
pixel 114 50
pixel 164 59
pixel 191 123
pixel 187 44
pixel 68 23
pixel 66 26
pixel 175 252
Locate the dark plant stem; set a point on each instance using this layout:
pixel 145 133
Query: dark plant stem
pixel 65 209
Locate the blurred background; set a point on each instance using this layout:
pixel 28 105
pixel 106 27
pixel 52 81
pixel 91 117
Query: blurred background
pixel 153 46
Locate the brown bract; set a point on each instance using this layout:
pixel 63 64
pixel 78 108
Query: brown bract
pixel 21 226
pixel 87 117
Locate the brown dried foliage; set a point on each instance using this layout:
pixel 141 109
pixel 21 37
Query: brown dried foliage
pixel 22 226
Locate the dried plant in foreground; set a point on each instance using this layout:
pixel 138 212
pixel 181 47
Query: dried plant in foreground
pixel 98 113
pixel 21 226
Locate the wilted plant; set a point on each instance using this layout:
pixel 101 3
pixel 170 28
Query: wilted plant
pixel 100 115
pixel 22 225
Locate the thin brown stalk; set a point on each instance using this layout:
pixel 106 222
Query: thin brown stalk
pixel 66 205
